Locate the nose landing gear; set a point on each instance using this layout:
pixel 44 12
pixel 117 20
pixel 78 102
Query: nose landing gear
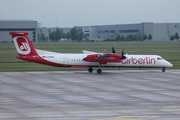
pixel 164 69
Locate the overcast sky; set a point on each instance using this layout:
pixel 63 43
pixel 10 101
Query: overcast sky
pixel 70 13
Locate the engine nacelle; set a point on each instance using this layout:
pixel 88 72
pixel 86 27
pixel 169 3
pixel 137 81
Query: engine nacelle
pixel 103 58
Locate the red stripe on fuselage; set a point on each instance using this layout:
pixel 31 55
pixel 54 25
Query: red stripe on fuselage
pixel 38 59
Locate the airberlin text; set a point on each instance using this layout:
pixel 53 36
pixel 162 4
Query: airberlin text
pixel 146 60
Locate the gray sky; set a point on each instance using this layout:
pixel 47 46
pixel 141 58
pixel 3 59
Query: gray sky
pixel 69 13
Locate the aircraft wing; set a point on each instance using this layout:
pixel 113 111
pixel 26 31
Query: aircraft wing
pixel 103 55
pixel 88 52
pixel 103 58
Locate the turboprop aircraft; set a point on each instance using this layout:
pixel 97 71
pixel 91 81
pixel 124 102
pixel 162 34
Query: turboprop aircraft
pixel 88 59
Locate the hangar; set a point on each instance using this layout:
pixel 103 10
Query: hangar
pixel 158 31
pixel 18 25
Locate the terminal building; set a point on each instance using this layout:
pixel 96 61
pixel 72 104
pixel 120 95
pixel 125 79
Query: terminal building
pixel 158 31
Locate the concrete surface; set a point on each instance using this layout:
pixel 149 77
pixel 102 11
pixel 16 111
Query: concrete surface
pixel 79 95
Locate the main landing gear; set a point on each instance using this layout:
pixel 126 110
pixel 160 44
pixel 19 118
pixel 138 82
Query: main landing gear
pixel 99 71
pixel 90 69
pixel 164 69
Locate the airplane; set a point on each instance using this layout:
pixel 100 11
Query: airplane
pixel 86 59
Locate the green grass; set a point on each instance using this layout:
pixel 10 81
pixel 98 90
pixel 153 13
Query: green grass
pixel 8 61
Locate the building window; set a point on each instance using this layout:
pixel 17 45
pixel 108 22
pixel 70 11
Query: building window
pixel 87 35
pixel 112 31
pixel 128 31
pixel 104 31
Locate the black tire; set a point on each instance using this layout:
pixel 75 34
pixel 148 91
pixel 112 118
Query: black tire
pixel 164 69
pixel 99 71
pixel 90 70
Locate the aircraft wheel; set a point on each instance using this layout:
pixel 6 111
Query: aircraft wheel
pixel 90 70
pixel 99 71
pixel 164 69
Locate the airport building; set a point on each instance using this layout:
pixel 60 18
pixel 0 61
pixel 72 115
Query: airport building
pixel 158 31
pixel 18 25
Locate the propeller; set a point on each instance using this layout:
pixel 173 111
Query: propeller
pixel 122 53
pixel 113 51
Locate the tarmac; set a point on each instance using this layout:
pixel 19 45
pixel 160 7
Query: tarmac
pixel 79 95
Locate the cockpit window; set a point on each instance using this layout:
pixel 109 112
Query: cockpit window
pixel 159 58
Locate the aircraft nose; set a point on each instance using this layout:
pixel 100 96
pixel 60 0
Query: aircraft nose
pixel 169 64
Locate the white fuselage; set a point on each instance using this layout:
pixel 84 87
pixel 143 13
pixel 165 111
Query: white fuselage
pixel 130 61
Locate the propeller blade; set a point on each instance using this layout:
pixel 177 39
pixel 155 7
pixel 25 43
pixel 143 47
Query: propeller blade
pixel 113 51
pixel 122 54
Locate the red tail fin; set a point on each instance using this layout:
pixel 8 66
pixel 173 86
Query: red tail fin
pixel 23 45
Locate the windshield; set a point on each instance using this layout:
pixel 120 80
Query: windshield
pixel 159 58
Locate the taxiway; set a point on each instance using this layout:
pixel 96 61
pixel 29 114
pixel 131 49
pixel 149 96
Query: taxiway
pixel 79 95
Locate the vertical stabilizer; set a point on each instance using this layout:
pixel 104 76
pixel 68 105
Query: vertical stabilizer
pixel 23 45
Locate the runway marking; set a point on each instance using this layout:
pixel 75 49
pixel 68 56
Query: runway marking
pixel 127 118
pixel 175 71
pixel 172 107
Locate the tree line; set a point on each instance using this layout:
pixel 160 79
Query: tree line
pixel 175 36
pixel 56 35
